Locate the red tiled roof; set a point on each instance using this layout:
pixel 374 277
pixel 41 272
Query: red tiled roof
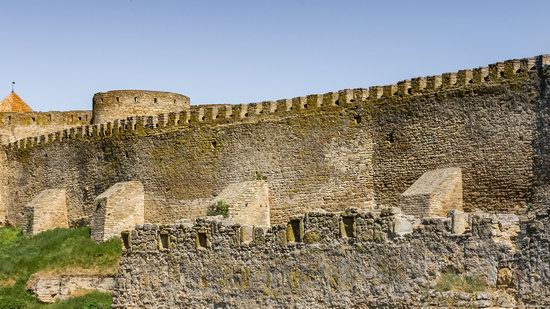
pixel 14 103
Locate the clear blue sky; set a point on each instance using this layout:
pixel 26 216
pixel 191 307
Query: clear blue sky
pixel 60 53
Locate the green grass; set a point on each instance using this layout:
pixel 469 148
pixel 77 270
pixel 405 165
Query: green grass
pixel 460 282
pixel 57 251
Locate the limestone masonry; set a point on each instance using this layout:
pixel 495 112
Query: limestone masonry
pixel 434 191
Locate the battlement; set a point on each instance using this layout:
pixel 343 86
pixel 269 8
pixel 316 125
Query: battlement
pixel 44 118
pixel 350 258
pixel 225 114
pixel 315 228
pixel 119 104
pixel 15 126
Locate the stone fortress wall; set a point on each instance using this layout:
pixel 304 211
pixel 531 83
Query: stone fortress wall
pixel 16 126
pixel 352 259
pixel 327 171
pixel 356 147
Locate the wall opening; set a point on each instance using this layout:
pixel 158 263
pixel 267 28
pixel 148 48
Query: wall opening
pixel 126 240
pixel 80 118
pixel 293 231
pixel 164 241
pixel 50 116
pixel 9 119
pixel 202 240
pixel 155 100
pixel 348 227
pixel 117 99
pixel 135 99
pixel 33 119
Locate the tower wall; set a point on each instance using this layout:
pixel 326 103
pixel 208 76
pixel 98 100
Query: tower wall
pixel 119 104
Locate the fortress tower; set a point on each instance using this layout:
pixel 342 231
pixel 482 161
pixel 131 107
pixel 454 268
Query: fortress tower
pixel 119 104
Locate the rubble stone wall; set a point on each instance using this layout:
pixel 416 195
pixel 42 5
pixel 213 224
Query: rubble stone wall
pixel 347 260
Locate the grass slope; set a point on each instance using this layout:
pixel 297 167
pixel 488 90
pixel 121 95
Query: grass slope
pixel 57 251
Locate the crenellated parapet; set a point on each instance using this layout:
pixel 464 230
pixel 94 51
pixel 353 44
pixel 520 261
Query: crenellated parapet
pixel 349 259
pixel 16 126
pixel 317 228
pixel 227 114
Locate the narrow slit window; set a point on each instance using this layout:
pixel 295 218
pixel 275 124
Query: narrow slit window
pixel 294 233
pixel 202 240
pixel 348 227
pixel 126 240
pixel 164 241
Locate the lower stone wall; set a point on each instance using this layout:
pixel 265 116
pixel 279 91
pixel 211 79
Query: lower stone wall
pixel 534 260
pixel 52 288
pixel 346 260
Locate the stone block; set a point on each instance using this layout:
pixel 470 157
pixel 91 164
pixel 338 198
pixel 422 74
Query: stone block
pixel 52 288
pixel 48 210
pixel 402 226
pixel 434 193
pixel 248 203
pixel 119 208
pixel 459 221
pixel 247 233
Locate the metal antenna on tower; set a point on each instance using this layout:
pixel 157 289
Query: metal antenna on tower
pixel 12 86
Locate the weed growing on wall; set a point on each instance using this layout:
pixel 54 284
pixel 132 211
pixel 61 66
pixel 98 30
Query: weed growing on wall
pixel 260 176
pixel 460 282
pixel 221 208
